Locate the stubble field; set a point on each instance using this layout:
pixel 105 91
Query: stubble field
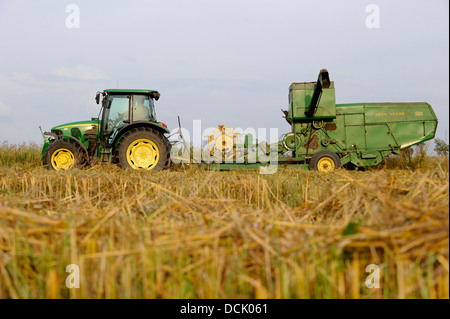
pixel 205 234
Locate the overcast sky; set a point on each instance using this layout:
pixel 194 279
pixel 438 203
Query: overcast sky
pixel 219 61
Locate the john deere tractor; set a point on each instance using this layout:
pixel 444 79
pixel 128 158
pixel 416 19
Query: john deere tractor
pixel 126 133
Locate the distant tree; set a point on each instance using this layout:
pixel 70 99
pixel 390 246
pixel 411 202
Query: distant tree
pixel 421 154
pixel 440 147
pixel 406 157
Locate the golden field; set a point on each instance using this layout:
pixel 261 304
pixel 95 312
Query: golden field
pixel 194 233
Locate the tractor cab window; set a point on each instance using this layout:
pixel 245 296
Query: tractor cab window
pixel 116 113
pixel 142 108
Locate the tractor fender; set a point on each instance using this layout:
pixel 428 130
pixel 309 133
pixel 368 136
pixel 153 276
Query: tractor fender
pixel 78 143
pixel 152 125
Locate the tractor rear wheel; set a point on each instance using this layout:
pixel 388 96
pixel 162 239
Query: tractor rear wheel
pixel 143 148
pixel 325 161
pixel 62 155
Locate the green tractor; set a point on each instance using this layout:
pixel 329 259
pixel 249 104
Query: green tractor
pixel 126 133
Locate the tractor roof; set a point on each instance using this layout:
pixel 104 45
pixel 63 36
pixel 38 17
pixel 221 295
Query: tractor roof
pixel 113 91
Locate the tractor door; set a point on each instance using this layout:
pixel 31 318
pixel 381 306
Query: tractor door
pixel 116 115
pixel 142 108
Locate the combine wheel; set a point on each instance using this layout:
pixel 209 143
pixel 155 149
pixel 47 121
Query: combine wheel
pixel 143 148
pixel 325 161
pixel 63 155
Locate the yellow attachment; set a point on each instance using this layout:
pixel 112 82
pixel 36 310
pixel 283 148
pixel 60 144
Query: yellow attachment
pixel 62 159
pixel 143 154
pixel 326 164
pixel 223 141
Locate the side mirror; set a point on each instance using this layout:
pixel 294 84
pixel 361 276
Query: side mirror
pixel 155 95
pixel 97 98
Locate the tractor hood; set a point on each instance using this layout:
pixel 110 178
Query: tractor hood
pixel 76 128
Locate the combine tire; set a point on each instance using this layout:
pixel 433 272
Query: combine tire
pixel 62 155
pixel 143 148
pixel 325 161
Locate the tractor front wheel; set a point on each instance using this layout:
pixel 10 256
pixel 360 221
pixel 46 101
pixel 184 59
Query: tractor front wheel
pixel 143 148
pixel 62 155
pixel 325 161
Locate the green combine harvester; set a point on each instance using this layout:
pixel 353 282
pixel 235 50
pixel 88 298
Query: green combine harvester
pixel 327 135
pixel 324 135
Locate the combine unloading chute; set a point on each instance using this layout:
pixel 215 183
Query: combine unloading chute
pixel 323 81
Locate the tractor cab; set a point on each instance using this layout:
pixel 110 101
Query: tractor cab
pixel 121 108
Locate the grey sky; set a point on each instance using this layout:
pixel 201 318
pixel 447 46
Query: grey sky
pixel 223 62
